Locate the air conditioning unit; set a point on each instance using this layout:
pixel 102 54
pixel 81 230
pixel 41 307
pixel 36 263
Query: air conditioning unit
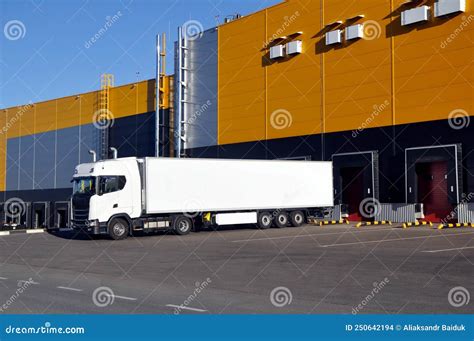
pixel 355 32
pixel 334 37
pixel 294 47
pixel 415 15
pixel 445 7
pixel 277 51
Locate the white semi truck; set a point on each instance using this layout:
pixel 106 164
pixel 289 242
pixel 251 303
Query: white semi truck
pixel 121 196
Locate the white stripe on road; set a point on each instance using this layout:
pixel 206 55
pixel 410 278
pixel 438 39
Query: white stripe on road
pixel 308 235
pixel 123 297
pixel 3 278
pixel 443 250
pixel 69 288
pixel 186 308
pixel 395 239
pixel 35 231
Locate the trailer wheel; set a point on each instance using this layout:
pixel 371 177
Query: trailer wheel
pixel 264 220
pixel 281 219
pixel 118 229
pixel 296 218
pixel 182 225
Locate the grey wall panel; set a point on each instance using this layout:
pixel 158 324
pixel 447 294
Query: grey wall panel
pixel 13 161
pixel 88 142
pixel 45 160
pixel 201 91
pixel 67 155
pixel 27 157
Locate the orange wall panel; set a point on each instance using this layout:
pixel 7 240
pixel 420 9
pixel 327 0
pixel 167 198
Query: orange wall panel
pixel 433 66
pixel 241 113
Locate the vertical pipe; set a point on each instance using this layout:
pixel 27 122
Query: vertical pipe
pixel 179 95
pixel 157 96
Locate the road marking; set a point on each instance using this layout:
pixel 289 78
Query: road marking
pixel 3 278
pixel 307 235
pixel 124 297
pixel 395 239
pixel 443 250
pixel 35 231
pixel 186 308
pixel 4 233
pixel 69 288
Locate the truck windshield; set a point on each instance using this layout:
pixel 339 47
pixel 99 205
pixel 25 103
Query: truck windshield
pixel 84 185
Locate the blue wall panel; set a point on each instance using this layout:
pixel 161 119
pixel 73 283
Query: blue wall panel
pixel 26 166
pixel 67 155
pixel 45 160
pixel 13 159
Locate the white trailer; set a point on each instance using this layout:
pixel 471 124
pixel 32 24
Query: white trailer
pixel 120 196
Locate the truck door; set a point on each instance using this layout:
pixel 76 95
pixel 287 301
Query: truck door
pixel 113 197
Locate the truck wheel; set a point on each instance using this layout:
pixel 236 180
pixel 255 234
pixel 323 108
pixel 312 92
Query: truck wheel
pixel 281 219
pixel 118 229
pixel 264 220
pixel 182 225
pixel 296 218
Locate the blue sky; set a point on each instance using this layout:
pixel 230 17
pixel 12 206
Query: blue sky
pixel 46 50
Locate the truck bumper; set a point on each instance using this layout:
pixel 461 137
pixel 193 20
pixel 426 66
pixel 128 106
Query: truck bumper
pixel 92 227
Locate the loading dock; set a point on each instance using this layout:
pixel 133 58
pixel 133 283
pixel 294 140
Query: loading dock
pixel 41 216
pixel 432 179
pixel 355 179
pixel 62 214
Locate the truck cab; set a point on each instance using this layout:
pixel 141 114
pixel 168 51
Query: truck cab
pixel 106 191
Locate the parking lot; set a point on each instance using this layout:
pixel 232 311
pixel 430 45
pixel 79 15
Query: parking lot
pixel 312 269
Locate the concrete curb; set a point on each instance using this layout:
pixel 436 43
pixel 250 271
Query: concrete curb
pixel 21 231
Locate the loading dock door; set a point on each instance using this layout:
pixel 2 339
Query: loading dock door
pixel 352 190
pixel 433 189
pixel 355 179
pixel 433 178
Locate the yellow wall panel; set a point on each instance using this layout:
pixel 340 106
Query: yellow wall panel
pixel 124 100
pixel 26 114
pixel 433 66
pixel 45 116
pixel 68 112
pixel 358 72
pixel 241 113
pixel 89 104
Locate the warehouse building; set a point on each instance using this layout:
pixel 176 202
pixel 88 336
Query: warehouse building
pixel 383 88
